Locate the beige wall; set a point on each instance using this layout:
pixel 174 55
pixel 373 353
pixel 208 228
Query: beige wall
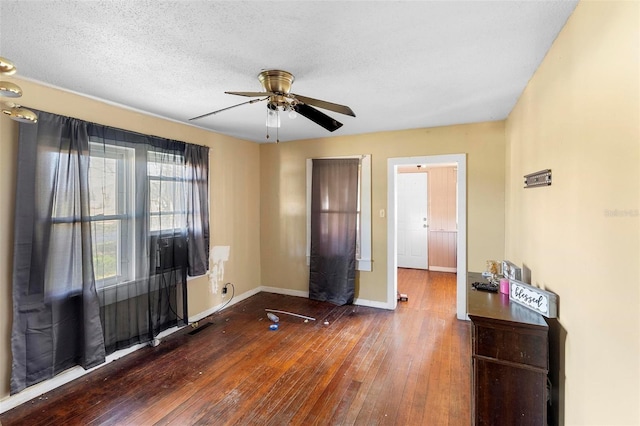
pixel 580 237
pixel 234 205
pixel 283 208
pixel 579 116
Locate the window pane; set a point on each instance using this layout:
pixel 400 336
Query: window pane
pixel 103 186
pixel 167 202
pixel 153 169
pixel 169 170
pixel 165 165
pixel 106 255
pixel 154 196
pixel 154 223
pixel 166 196
pixel 168 221
pixel 172 197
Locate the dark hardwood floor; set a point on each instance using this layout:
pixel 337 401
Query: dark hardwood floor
pixel 367 366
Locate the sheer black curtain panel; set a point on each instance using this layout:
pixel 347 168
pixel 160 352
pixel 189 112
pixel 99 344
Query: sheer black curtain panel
pixel 138 208
pixel 334 204
pixel 102 243
pixel 197 161
pixel 56 311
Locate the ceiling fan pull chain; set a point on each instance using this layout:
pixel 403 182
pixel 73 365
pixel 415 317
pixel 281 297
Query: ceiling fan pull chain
pixel 267 126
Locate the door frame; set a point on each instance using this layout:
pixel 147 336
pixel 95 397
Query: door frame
pixel 460 161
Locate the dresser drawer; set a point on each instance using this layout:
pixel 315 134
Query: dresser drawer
pixel 511 344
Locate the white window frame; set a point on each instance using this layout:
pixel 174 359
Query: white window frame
pixel 363 261
pixel 126 243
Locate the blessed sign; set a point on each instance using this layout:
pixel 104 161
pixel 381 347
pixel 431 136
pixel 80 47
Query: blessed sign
pixel 543 302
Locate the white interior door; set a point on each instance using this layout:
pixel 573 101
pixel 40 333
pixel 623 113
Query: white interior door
pixel 412 221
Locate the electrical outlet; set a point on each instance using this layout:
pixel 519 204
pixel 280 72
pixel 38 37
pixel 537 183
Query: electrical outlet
pixel 224 290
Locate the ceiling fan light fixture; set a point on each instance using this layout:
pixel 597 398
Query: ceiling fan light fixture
pixel 10 90
pixel 273 118
pixel 7 67
pixel 21 114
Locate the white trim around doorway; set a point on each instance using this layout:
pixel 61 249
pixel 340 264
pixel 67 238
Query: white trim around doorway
pixel 460 161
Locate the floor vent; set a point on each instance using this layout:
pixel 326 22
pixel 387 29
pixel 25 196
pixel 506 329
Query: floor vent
pixel 199 329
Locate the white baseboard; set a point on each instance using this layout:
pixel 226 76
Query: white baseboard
pixel 300 293
pixel 443 269
pixel 373 304
pixel 285 291
pixel 237 298
pixel 70 375
pixel 77 372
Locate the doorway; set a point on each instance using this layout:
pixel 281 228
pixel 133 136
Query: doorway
pixel 459 161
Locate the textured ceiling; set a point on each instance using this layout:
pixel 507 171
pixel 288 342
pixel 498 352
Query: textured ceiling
pixel 398 65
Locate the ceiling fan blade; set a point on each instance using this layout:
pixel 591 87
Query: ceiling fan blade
pixel 251 94
pixel 317 117
pixel 252 101
pixel 342 109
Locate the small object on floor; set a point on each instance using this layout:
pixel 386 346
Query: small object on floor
pixel 326 322
pixel 273 317
pixel 291 313
pixel 273 327
pixel 402 297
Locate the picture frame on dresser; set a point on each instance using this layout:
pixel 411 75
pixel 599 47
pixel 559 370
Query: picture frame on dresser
pixel 511 271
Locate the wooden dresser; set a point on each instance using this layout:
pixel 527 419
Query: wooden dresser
pixel 510 360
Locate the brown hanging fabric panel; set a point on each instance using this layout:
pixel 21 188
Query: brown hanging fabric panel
pixel 334 204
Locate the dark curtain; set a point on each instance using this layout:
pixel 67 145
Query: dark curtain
pixel 197 161
pixel 145 293
pixel 56 312
pixel 101 243
pixel 334 203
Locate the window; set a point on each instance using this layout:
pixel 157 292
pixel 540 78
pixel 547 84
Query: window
pixel 111 202
pixel 167 195
pixel 113 199
pixel 363 238
pixel 84 247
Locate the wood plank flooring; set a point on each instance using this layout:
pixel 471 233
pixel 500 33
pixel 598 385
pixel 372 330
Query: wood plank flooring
pixel 366 366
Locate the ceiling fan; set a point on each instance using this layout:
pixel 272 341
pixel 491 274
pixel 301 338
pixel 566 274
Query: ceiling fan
pixel 277 86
